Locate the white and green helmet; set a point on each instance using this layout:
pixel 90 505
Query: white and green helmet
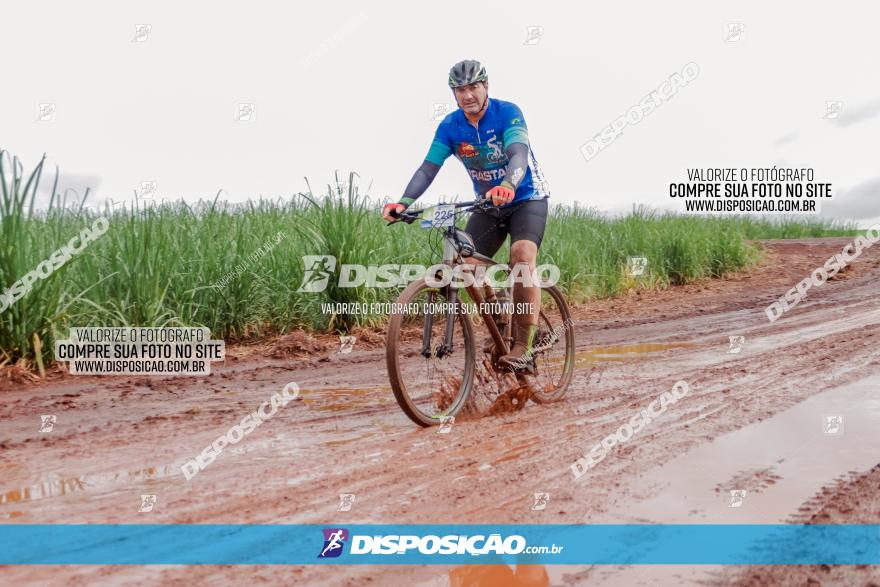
pixel 467 72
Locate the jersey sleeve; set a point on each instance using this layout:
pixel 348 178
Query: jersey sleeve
pixel 441 147
pixel 515 129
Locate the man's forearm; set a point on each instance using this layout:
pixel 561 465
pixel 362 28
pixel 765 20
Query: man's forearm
pixel 518 162
pixel 420 181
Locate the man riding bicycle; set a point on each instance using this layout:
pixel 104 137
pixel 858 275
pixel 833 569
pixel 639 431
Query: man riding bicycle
pixel 490 138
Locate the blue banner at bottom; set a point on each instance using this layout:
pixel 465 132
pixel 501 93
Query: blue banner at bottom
pixel 145 544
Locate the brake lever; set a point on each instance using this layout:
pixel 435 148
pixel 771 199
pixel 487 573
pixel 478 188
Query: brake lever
pixel 401 218
pixel 394 214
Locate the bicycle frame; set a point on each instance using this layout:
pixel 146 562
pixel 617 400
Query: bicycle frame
pixel 449 259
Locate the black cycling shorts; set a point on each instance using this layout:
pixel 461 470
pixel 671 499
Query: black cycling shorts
pixel 522 221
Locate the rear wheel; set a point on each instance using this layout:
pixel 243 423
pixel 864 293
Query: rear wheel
pixel 553 348
pixel 430 379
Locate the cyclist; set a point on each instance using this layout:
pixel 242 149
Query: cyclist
pixel 490 138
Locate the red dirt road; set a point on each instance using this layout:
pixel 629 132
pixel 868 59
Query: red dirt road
pixel 118 438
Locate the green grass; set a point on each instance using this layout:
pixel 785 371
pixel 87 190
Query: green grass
pixel 156 265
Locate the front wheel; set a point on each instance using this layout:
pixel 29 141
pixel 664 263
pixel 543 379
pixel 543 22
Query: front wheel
pixel 430 353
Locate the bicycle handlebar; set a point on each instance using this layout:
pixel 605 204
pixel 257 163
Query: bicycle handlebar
pixel 410 217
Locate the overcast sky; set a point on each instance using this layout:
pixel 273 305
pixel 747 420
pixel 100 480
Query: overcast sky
pixel 351 86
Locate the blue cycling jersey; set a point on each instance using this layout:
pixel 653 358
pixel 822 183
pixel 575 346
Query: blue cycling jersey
pixel 481 148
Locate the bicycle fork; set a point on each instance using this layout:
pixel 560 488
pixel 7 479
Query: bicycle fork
pixel 446 347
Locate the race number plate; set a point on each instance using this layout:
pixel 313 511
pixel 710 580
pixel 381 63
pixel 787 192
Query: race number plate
pixel 439 216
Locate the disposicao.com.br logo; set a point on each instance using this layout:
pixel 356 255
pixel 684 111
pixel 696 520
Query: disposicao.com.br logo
pixel 334 541
pixel 450 544
pixel 319 270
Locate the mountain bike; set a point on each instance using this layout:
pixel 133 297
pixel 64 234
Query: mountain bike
pixel 431 349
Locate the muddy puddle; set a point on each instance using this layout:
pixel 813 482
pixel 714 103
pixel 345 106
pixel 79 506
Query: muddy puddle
pixel 66 485
pixel 756 475
pixel 625 352
pixel 620 352
pixel 346 398
pixel 781 461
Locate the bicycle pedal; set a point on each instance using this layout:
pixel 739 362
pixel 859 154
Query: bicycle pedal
pixel 528 367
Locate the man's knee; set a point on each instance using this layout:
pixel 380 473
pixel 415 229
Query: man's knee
pixel 523 252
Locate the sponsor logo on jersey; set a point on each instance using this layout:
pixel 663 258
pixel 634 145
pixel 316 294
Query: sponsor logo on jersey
pixel 467 150
pixel 491 175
